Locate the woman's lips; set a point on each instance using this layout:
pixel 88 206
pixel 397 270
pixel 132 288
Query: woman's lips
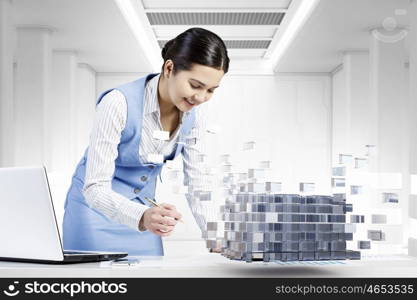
pixel 188 102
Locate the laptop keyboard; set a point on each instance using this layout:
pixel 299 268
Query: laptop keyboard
pixel 77 252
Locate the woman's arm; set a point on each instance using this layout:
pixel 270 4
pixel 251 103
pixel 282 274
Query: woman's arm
pixel 110 120
pixel 203 210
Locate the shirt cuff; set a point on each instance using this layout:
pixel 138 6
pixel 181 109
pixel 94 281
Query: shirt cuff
pixel 130 213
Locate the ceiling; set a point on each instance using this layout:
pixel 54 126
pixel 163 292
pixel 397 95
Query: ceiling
pixel 247 27
pixel 99 31
pixel 94 28
pixel 336 26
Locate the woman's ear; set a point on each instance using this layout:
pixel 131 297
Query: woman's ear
pixel 168 68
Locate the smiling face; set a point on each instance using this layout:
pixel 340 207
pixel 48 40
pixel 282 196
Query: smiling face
pixel 188 89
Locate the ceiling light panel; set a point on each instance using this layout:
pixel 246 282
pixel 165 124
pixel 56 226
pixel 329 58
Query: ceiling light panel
pixel 180 4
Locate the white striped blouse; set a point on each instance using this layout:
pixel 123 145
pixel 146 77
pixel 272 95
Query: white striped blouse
pixel 110 120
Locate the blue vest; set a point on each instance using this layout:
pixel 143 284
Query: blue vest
pixel 85 228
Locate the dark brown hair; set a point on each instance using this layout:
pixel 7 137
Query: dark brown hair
pixel 196 46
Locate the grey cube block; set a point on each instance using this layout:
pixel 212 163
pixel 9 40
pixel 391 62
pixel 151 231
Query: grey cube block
pixel 338 255
pixel 339 197
pixel 211 234
pixel 338 182
pixel 338 245
pixel 211 244
pixel 390 197
pixel 339 171
pixel 191 141
pixel 379 219
pixel 345 159
pixel 306 187
pixel 212 226
pixel 256 173
pixel 273 186
pixel 306 256
pixel 353 254
pixel 357 219
pixel 356 189
pixel 348 207
pixel 203 195
pixel 364 244
pixel 376 235
pixel 323 255
pixel 256 187
pixel 360 162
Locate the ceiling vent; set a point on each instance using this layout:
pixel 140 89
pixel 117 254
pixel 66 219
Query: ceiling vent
pixel 238 44
pixel 215 18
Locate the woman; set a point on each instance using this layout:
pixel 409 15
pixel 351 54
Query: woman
pixel 105 208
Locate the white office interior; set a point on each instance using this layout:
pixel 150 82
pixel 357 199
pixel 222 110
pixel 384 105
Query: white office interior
pixel 335 79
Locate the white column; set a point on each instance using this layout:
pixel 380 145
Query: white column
pixel 389 131
pixel 7 42
pixel 387 61
pixel 85 104
pixel 60 110
pixel 412 242
pixel 351 123
pixel 32 92
pixel 70 111
pixel 356 79
pixel 351 106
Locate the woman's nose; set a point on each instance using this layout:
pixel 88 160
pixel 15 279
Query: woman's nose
pixel 200 97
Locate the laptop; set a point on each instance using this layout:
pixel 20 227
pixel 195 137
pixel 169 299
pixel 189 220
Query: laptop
pixel 28 226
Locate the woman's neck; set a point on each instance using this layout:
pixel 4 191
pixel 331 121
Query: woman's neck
pixel 166 106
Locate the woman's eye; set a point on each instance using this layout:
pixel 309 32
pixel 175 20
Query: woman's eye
pixel 194 87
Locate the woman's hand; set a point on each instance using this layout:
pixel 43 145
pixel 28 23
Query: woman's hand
pixel 218 248
pixel 160 220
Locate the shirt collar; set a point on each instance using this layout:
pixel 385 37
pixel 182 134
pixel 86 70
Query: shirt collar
pixel 151 99
pixel 151 96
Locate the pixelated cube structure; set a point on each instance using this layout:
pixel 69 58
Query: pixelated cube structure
pixel 260 223
pixel 285 227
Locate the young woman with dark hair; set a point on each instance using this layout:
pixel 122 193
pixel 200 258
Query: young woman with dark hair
pixel 106 207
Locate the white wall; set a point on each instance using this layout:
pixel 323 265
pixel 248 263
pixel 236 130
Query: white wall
pixel 358 120
pixel 7 50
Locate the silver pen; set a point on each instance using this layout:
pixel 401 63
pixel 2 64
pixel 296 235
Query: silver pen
pixel 156 204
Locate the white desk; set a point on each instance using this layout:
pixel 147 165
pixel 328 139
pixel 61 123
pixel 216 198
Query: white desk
pixel 215 265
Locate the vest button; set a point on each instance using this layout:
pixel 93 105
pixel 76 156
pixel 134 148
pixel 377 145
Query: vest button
pixel 144 178
pixel 136 191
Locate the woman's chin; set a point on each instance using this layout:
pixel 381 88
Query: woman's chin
pixel 183 108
